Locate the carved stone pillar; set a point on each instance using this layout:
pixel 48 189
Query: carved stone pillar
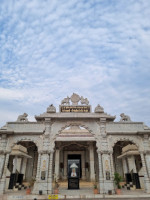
pixel 65 165
pixel 3 180
pixel 143 164
pixel 112 165
pixel 2 158
pixel 42 173
pixel 57 152
pixel 35 163
pixel 131 163
pixel 14 164
pixel 23 168
pixel 61 161
pixel 101 185
pixel 38 167
pixel 5 166
pixel 147 158
pixel 92 171
pixel 125 165
pixel 50 173
pixel 87 167
pixel 146 179
pixel 83 166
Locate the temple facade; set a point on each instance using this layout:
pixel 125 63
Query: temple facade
pixel 74 142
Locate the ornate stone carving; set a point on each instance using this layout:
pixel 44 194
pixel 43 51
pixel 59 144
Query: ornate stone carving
pixel 48 124
pixel 84 101
pixel 102 125
pixel 75 98
pixel 99 109
pixel 14 140
pixel 124 118
pixel 65 101
pixel 69 124
pixel 75 129
pixel 112 140
pixel 22 118
pixel 51 109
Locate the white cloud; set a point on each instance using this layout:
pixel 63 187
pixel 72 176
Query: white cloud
pixel 98 49
pixel 9 94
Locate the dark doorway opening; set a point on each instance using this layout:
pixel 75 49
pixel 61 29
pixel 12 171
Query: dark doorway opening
pixel 76 157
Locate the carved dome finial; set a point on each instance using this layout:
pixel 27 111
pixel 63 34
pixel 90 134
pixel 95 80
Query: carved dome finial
pixel 51 109
pixel 99 109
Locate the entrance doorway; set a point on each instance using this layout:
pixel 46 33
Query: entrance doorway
pixel 22 165
pixel 75 159
pixel 128 163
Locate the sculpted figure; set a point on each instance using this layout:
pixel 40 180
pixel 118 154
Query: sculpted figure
pixel 84 101
pixel 22 118
pixel 65 101
pixel 124 118
pixel 106 165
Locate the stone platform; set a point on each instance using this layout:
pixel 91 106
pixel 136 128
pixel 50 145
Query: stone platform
pixel 85 192
pixel 74 195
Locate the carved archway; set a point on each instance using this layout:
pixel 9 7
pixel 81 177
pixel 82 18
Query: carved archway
pixel 126 156
pixel 114 139
pixel 26 154
pixel 13 141
pixel 77 124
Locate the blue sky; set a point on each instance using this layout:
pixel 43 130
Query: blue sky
pixel 99 49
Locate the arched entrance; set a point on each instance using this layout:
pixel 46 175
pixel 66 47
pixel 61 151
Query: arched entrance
pixel 83 152
pixel 22 166
pixel 128 163
pixel 75 159
pixel 75 156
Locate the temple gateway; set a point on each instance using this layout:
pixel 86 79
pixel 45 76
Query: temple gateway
pixel 74 143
